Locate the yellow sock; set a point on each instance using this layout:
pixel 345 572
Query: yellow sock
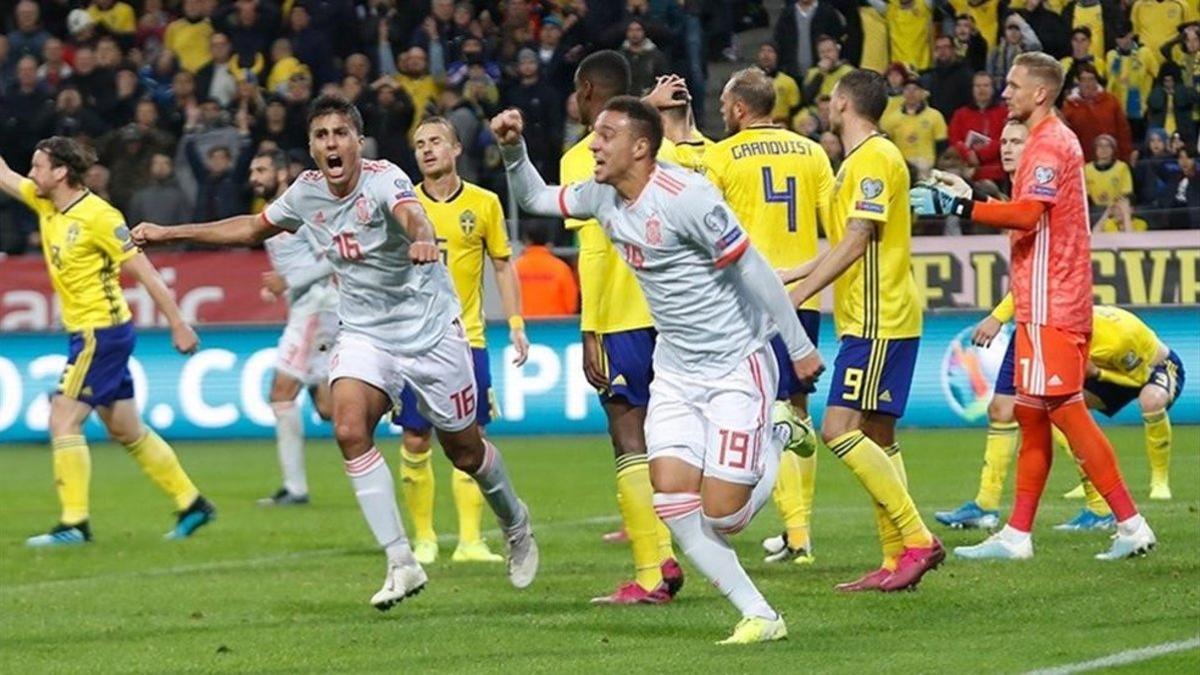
pixel 1157 427
pixel 997 455
pixel 889 536
pixel 636 501
pixel 1095 503
pixel 808 486
pixel 159 462
pixel 417 484
pixel 72 476
pixel 788 500
pixel 468 502
pixel 879 475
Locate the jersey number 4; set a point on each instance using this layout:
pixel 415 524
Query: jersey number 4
pixel 347 246
pixel 786 197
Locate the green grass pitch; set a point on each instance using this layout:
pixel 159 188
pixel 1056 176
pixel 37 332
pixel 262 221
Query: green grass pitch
pixel 286 590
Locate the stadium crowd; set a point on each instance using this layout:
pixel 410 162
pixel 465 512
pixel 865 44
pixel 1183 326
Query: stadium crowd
pixel 176 95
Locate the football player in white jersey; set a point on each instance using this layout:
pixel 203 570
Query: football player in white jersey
pixel 302 276
pixel 400 326
pixel 716 304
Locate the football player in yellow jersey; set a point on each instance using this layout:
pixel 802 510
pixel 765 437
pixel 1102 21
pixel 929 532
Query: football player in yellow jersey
pixel 776 182
pixel 87 245
pixel 618 348
pixel 469 224
pixel 1127 361
pixel 877 316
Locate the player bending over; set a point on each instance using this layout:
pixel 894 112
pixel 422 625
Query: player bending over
pixel 87 246
pixel 1052 290
pixel 303 277
pixel 877 315
pixel 400 327
pixel 468 222
pixel 715 304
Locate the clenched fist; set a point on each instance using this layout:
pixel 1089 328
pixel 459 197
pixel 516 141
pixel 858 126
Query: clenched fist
pixel 508 126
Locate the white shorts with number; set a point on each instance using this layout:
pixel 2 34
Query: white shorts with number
pixel 721 426
pixel 442 378
pixel 305 346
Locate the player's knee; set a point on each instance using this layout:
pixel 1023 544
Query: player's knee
pixel 125 434
pixel 1000 410
pixel 353 438
pixel 416 444
pixel 628 442
pixel 727 517
pixel 1153 399
pixel 832 429
pixel 464 449
pixel 283 389
pixel 62 421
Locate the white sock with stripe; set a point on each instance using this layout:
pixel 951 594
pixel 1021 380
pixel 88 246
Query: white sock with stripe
pixel 497 489
pixel 710 552
pixel 376 493
pixel 289 441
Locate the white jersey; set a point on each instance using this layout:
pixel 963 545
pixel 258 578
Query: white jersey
pixel 298 258
pixel 678 236
pixel 383 297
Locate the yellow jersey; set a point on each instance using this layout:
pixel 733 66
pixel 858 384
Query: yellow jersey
pixel 189 42
pixel 1157 22
pixel 610 299
pixel 876 297
pixel 1105 186
pixel 84 246
pixel 875 40
pixel 829 80
pixel 909 33
pixel 787 97
pixel 423 91
pixel 986 14
pixel 1123 348
pixel 690 153
pixel 120 18
pixel 778 184
pixel 468 224
pixel 916 134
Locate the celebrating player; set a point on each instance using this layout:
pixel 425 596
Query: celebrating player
pixel 87 246
pixel 468 222
pixel 776 182
pixel 1052 288
pixel 400 327
pixel 618 348
pixel 715 303
pixel 303 276
pixel 877 314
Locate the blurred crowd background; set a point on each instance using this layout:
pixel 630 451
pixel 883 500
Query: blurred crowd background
pixel 176 95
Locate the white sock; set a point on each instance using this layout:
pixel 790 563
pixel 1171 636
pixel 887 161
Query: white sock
pixel 376 494
pixel 1012 535
pixel 710 553
pixel 289 440
pixel 497 489
pixel 1130 525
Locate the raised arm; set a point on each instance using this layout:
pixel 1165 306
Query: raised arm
pixel 10 181
pixel 247 230
pixel 527 185
pixel 143 271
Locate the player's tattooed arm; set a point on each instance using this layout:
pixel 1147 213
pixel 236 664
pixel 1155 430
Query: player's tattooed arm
pixel 247 230
pixel 411 216
pixel 831 265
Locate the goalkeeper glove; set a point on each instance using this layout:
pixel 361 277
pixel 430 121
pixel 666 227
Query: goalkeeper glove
pixel 932 200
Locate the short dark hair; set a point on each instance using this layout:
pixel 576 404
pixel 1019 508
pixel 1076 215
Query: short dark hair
pixel 867 91
pixel 537 232
pixel 335 104
pixel 754 88
pixel 220 148
pixel 1082 30
pixel 608 70
pixel 438 119
pixel 66 152
pixel 642 116
pixel 279 158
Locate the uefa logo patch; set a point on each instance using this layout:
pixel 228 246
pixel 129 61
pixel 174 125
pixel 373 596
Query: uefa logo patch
pixel 969 372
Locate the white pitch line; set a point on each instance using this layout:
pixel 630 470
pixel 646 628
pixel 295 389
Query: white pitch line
pixel 1122 658
pixel 260 561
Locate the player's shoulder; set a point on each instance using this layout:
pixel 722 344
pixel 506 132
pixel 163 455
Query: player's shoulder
pixel 92 208
pixel 478 193
pixel 875 155
pixel 673 181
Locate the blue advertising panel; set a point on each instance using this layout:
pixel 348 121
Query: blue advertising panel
pixel 221 391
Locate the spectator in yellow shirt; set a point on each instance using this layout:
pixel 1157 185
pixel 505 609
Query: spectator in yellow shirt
pixel 917 129
pixel 1110 188
pixel 830 68
pixel 188 36
pixel 117 18
pixel 1156 22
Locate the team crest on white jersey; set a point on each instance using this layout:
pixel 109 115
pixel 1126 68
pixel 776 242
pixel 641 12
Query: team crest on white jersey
pixel 362 210
pixel 654 231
